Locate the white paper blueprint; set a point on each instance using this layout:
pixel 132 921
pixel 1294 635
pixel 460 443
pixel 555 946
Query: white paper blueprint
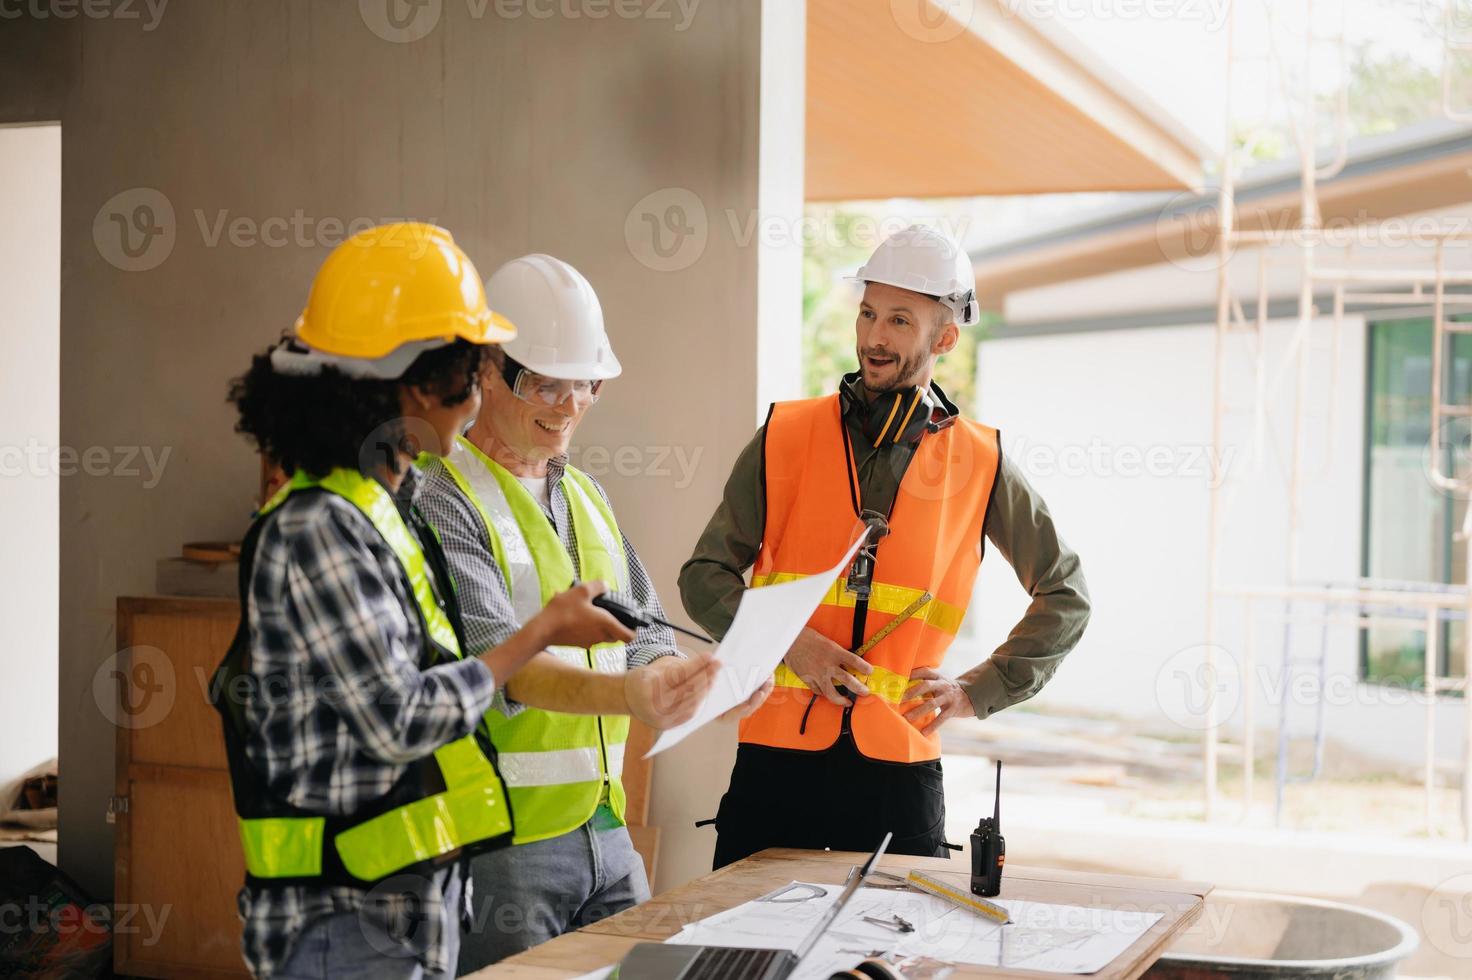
pixel 1049 938
pixel 766 623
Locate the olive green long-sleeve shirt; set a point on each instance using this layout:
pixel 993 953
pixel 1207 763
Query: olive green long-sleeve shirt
pixel 1018 526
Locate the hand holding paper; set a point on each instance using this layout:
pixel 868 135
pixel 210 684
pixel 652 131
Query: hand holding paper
pixel 750 705
pixel 767 622
pixel 669 691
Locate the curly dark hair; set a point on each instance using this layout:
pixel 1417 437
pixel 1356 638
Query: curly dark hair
pixel 320 422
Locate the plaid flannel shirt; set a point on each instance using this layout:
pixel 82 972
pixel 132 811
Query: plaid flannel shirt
pixel 336 639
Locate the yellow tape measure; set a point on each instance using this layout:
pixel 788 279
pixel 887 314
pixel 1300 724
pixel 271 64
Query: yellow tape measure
pixel 884 631
pixel 893 624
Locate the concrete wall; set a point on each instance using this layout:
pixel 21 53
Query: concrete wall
pixel 249 134
pixel 1114 427
pixel 30 420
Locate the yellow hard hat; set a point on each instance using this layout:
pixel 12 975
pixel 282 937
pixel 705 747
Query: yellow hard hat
pixel 403 287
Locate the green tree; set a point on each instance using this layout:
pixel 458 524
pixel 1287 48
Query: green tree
pixel 1390 91
pixel 1387 91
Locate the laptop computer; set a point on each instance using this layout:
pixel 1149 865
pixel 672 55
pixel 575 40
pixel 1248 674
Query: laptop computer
pixel 672 961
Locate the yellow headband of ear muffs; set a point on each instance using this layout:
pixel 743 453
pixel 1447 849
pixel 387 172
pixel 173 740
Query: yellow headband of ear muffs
pixel 892 417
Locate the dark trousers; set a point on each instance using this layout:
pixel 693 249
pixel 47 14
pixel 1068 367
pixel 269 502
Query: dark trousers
pixel 834 799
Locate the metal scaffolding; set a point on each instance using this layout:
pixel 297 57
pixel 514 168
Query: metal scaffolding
pixel 1361 603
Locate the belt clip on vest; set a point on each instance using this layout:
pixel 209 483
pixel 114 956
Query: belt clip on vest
pixel 861 572
pixel 861 583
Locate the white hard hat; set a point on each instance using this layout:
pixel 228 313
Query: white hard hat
pixel 923 261
pixel 559 321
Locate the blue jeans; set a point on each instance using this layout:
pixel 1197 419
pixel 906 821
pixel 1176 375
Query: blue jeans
pixel 345 946
pixel 529 893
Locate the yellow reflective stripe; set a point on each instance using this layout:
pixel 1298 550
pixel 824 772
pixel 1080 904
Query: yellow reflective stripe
pixel 884 598
pixel 379 507
pixel 369 496
pixel 462 763
pixel 588 509
pixel 883 683
pixel 887 684
pixel 283 847
pixel 785 676
pixel 424 829
pixel 472 809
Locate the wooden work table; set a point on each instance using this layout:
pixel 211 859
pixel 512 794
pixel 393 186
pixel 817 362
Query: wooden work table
pixel 605 942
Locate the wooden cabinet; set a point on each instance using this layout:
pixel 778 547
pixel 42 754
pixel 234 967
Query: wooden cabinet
pixel 177 850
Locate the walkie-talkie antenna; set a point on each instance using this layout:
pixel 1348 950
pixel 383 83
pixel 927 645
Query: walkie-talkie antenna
pixel 988 849
pixel 997 805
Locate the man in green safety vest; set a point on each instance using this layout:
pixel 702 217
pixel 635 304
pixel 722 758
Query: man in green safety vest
pixel 519 525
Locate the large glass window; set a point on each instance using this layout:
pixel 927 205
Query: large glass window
pixel 1409 524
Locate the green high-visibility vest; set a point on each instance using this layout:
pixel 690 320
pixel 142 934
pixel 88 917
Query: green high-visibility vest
pixel 557 766
pixel 452 800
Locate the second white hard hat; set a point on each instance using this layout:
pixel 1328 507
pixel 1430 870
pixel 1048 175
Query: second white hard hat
pixel 559 321
pixel 921 260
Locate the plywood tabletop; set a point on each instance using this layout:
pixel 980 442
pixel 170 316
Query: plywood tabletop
pixel 598 945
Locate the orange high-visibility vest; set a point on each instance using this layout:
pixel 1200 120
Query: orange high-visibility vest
pixel 934 546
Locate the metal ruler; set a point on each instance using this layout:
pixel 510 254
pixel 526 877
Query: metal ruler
pixel 921 881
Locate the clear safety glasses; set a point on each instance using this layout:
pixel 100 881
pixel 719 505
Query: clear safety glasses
pixel 538 389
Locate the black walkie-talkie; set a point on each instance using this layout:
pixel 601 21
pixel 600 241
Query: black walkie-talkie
pixel 989 849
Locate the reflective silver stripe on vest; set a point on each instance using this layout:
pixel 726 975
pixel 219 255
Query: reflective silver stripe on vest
pixel 520 769
pixel 525 583
pixel 576 656
pixel 612 659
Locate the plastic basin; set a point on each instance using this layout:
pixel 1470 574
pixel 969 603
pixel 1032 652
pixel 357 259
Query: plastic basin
pixel 1246 935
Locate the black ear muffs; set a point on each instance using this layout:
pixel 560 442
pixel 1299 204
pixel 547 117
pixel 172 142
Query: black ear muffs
pixel 893 417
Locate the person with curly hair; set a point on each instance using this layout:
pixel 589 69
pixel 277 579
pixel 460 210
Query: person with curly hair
pixel 362 771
